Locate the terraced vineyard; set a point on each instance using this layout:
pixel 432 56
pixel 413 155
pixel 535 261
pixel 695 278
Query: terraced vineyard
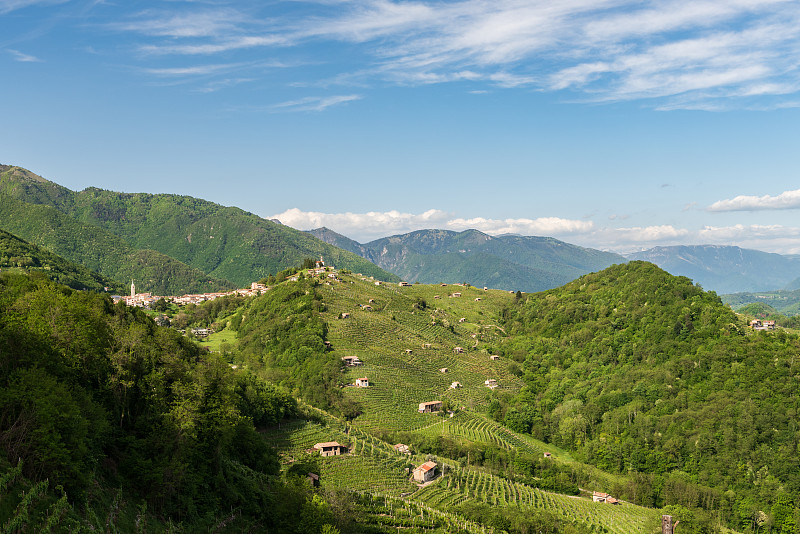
pixel 372 466
pixel 404 343
pixel 396 324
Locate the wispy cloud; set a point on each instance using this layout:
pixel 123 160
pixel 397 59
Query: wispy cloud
pixel 703 54
pixel 197 70
pixel 783 201
pixel 7 6
pixel 314 103
pixel 25 58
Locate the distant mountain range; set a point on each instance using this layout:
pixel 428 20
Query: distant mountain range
pixel 168 243
pixel 537 263
pixel 726 269
pixel 172 244
pixel 510 262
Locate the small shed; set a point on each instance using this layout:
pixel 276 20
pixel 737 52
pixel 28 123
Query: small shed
pixel 455 385
pixel 409 351
pixel 456 294
pixel 548 455
pixel 494 357
pixel 403 284
pixel 463 319
pixel 491 383
pixel 345 315
pixel 426 345
pixel 402 449
pixel 477 299
pixel 313 479
pixel 362 382
pixel 425 472
pixel 429 407
pixel 458 350
pixel 351 361
pixel 443 370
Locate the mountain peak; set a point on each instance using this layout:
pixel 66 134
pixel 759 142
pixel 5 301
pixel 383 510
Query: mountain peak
pixel 20 175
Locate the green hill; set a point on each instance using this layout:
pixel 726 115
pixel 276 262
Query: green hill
pixel 223 242
pixel 511 262
pixel 102 251
pixel 636 371
pixel 17 254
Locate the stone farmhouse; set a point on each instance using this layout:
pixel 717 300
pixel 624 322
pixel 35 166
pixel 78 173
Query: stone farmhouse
pixel 429 407
pixel 330 448
pixel 425 472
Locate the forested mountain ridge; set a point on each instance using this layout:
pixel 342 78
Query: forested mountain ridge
pixel 725 269
pixel 637 371
pixel 512 262
pixel 18 254
pixel 224 242
pixel 102 251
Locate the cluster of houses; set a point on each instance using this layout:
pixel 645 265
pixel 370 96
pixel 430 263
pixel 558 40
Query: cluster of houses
pixel 758 324
pixel 146 300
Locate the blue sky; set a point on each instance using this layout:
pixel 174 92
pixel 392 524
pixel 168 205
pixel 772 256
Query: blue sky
pixel 614 124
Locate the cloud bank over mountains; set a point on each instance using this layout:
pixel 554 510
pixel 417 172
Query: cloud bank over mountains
pixel 365 227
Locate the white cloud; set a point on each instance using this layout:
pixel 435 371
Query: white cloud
pixel 25 58
pixel 314 103
pixel 198 70
pixel 786 200
pixel 546 226
pixel 363 226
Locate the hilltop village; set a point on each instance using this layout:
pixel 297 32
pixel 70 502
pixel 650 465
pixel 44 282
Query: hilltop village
pixel 146 300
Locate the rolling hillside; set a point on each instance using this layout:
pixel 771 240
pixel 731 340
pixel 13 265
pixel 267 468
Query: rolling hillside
pixel 405 337
pixel 524 263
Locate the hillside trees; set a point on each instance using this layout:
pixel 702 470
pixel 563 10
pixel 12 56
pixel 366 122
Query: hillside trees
pixel 281 336
pixel 95 394
pixel 638 371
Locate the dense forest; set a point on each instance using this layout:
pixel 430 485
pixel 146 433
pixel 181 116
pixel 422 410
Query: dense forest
pixel 643 373
pixel 101 251
pixel 18 254
pixel 108 422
